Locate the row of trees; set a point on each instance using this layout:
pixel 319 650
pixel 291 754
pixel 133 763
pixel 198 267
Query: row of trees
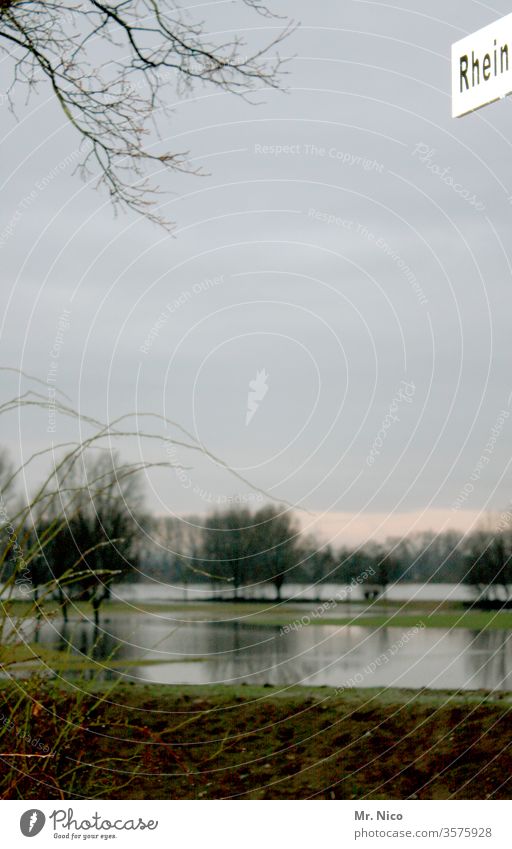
pixel 89 529
pixel 238 548
pixel 233 549
pixel 81 532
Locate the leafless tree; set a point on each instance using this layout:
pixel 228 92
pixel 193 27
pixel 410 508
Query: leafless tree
pixel 243 547
pixel 98 506
pixel 489 565
pixel 109 65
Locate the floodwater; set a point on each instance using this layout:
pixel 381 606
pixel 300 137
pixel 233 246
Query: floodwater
pixel 234 652
pixel 156 591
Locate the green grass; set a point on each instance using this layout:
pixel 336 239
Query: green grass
pixel 27 657
pixel 228 695
pixel 216 610
pixel 403 615
pixel 474 620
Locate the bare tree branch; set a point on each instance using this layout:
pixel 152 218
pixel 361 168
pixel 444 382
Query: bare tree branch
pixel 109 64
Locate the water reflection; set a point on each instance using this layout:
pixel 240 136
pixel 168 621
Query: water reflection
pixel 491 658
pixel 153 649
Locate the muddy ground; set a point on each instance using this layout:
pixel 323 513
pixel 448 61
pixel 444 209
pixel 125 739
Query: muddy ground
pixel 161 742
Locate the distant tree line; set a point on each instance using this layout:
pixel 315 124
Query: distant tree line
pixel 241 550
pixel 89 530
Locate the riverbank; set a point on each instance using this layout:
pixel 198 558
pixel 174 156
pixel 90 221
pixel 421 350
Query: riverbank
pixel 213 742
pixel 290 615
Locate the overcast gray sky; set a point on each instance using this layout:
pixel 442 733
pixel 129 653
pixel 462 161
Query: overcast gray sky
pixel 328 251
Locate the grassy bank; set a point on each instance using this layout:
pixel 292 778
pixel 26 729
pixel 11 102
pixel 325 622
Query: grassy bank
pixel 474 620
pixel 215 742
pixel 379 614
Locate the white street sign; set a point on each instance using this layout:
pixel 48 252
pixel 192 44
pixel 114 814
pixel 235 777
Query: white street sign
pixel 482 67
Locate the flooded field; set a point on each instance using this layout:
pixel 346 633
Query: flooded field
pixel 153 647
